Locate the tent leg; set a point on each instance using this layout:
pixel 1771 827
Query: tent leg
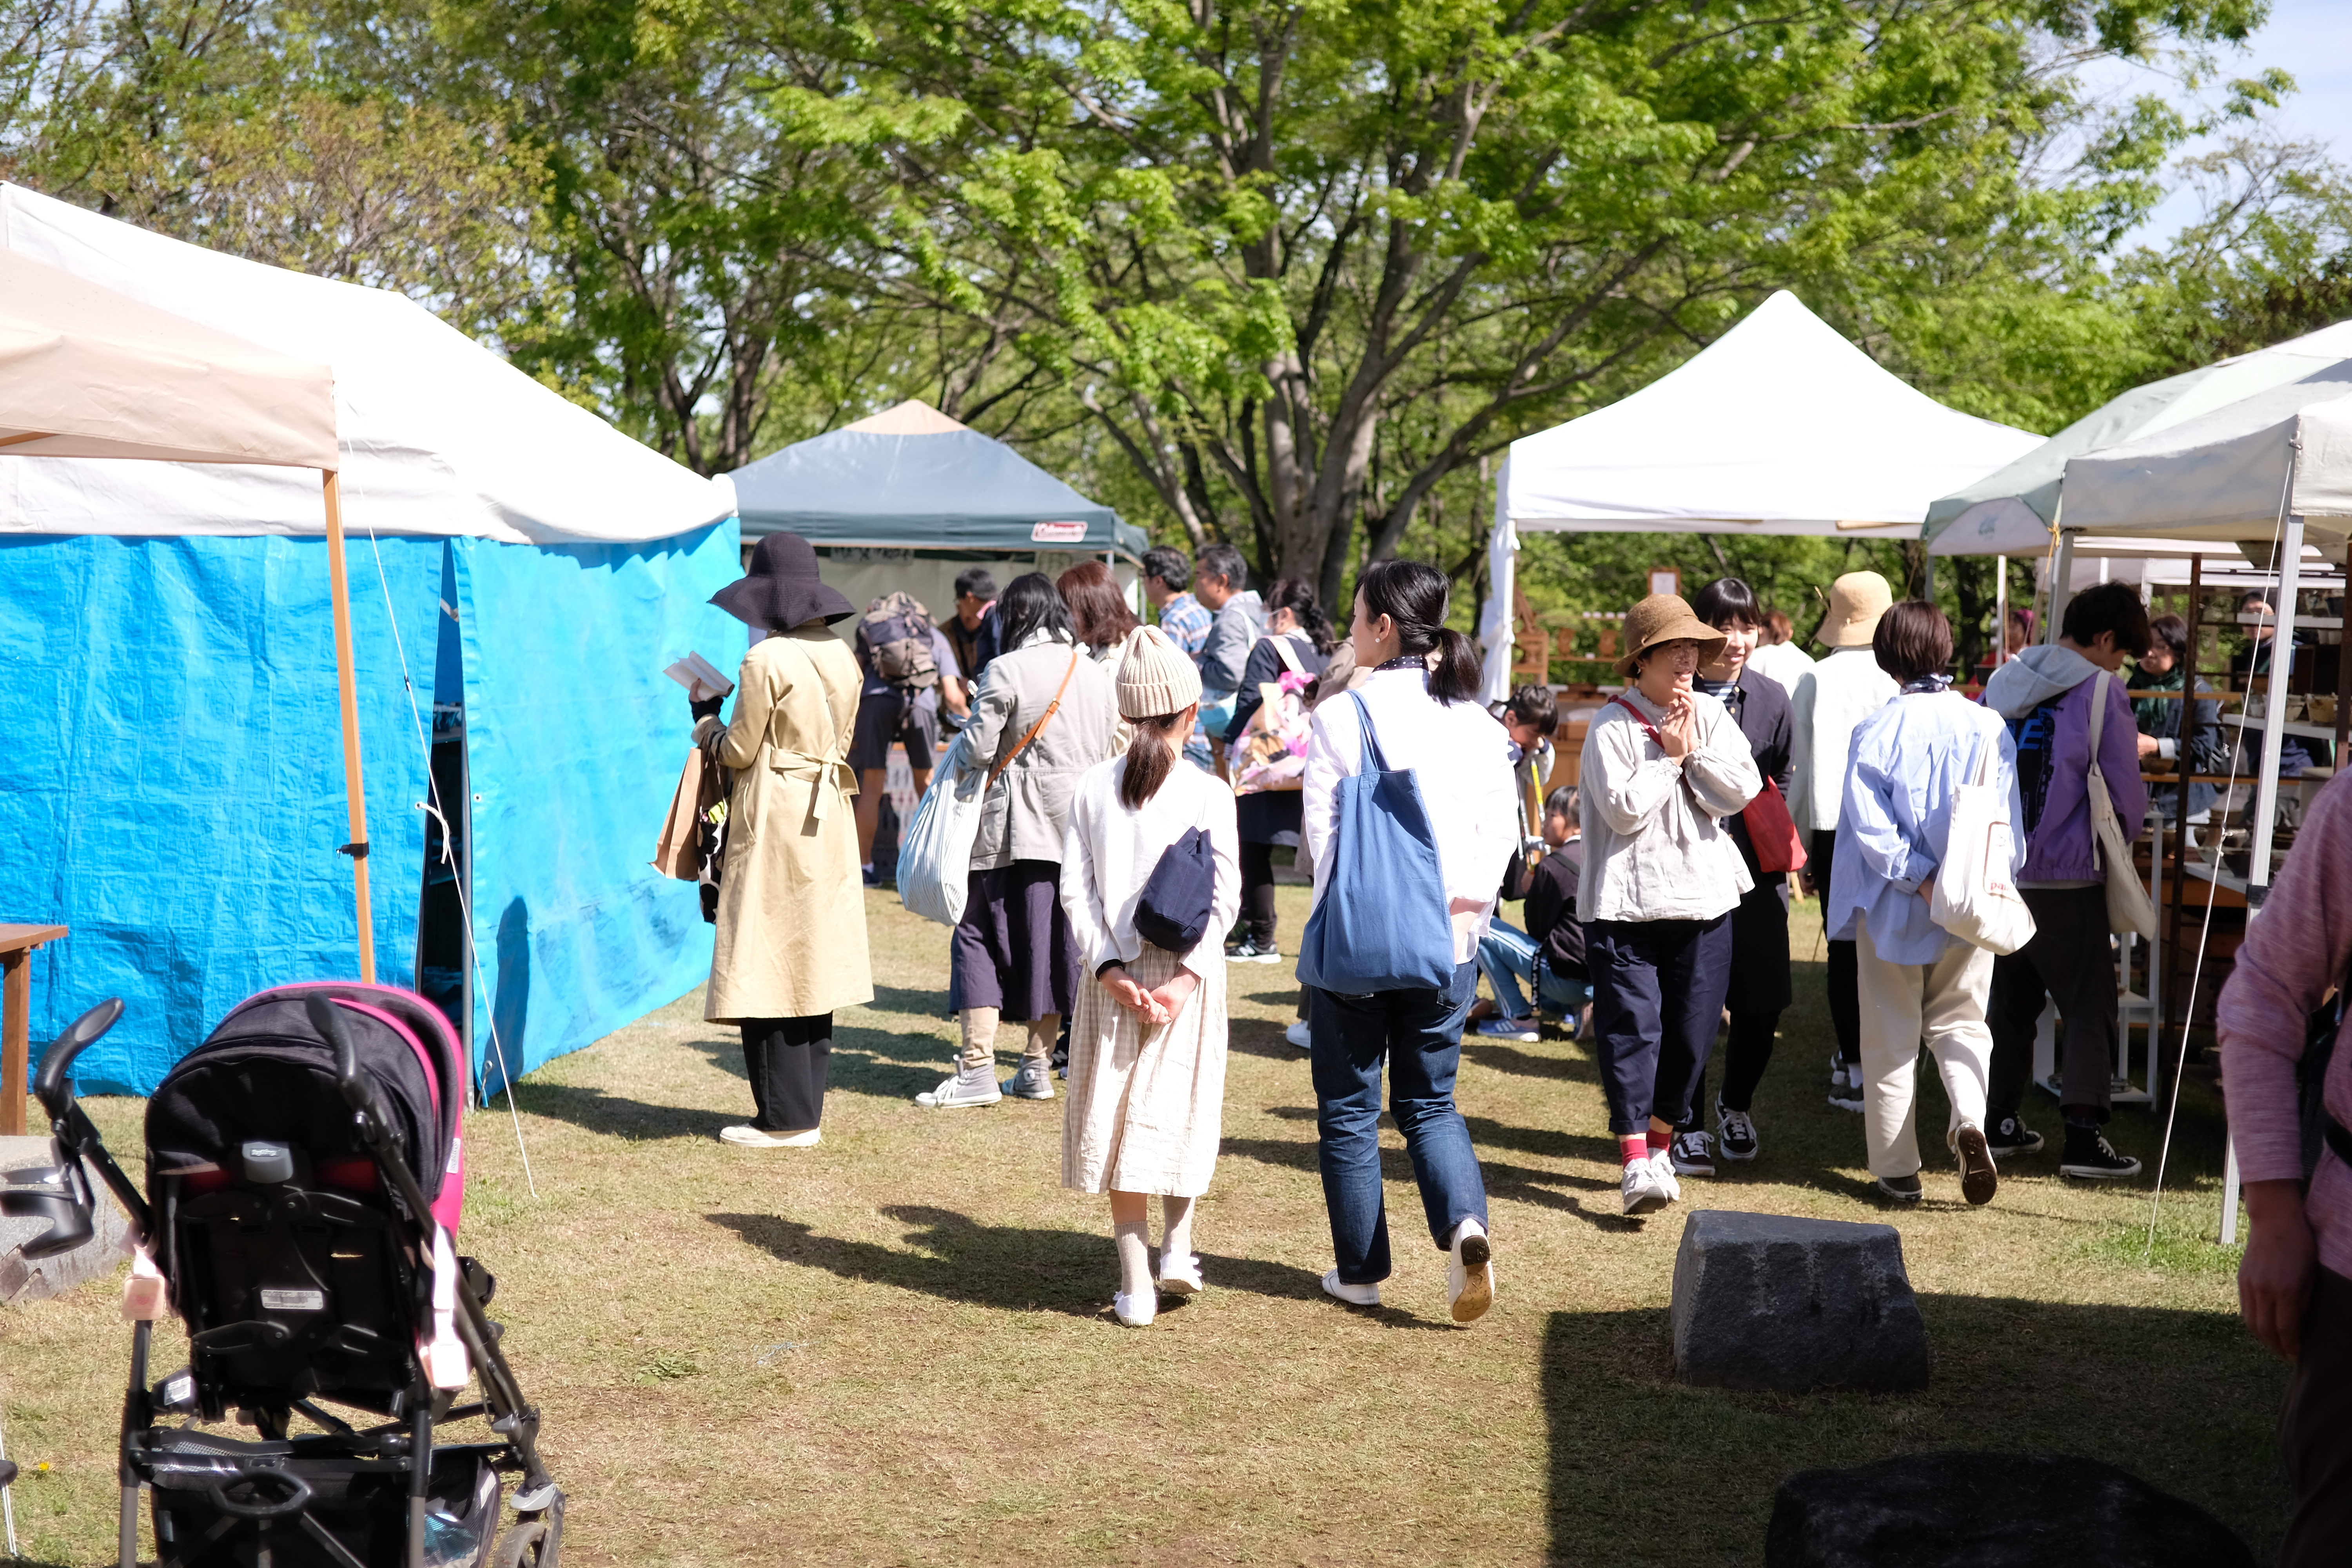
pixel 2266 783
pixel 354 789
pixel 2061 584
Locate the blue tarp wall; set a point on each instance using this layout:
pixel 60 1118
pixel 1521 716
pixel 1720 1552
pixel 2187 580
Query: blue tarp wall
pixel 171 774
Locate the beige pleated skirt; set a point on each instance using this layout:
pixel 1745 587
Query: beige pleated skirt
pixel 1145 1109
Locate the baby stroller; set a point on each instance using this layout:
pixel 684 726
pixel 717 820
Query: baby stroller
pixel 304 1180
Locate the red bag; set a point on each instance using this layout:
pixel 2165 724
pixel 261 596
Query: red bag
pixel 1772 831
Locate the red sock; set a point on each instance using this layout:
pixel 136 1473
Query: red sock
pixel 1632 1146
pixel 1658 1140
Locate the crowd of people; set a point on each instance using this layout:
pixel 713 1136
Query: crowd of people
pixel 1142 781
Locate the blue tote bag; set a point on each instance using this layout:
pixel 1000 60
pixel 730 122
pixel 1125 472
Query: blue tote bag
pixel 1382 925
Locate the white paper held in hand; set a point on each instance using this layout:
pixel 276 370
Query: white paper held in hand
pixel 702 680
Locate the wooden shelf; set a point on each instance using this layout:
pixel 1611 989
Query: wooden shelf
pixel 2293 727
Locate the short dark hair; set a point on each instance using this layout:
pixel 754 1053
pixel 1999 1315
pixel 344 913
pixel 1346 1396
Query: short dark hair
pixel 2108 607
pixel 2173 632
pixel 1030 604
pixel 1225 562
pixel 1912 640
pixel 1563 802
pixel 1169 565
pixel 977 581
pixel 1535 705
pixel 1727 602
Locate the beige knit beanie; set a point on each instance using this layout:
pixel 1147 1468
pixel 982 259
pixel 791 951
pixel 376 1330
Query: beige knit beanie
pixel 1156 677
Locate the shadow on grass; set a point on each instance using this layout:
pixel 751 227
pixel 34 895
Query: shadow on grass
pixel 1017 1268
pixel 2182 1399
pixel 596 1111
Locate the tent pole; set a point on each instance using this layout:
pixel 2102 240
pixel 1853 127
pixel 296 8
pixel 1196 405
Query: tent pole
pixel 2000 611
pixel 2266 782
pixel 354 789
pixel 2061 584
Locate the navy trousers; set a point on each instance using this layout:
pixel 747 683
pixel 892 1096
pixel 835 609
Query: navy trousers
pixel 1658 999
pixel 1419 1035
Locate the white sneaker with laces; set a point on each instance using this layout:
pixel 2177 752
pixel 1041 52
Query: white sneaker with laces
pixel 1354 1295
pixel 1689 1155
pixel 1662 1164
pixel 1644 1192
pixel 1180 1275
pixel 1297 1036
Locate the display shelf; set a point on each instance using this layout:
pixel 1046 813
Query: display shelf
pixel 2293 727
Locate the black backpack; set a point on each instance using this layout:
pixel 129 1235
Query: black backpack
pixel 895 635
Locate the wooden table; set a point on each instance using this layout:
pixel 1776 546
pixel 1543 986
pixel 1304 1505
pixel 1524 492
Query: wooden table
pixel 16 945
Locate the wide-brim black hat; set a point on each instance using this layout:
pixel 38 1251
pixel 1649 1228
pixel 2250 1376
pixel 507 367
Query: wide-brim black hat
pixel 783 590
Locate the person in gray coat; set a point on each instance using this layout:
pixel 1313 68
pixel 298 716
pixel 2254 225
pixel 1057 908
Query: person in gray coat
pixel 1043 713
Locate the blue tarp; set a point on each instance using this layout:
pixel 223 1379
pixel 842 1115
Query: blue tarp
pixel 171 784
pixel 949 490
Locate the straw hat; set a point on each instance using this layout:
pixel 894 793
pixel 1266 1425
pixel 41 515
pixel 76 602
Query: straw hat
pixel 1856 602
pixel 1665 618
pixel 1156 677
pixel 781 589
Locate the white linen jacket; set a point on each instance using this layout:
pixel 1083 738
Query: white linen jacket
pixel 1655 845
pixel 1839 692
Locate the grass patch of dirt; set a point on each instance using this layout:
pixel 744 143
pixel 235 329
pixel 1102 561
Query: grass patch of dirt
pixel 897 1347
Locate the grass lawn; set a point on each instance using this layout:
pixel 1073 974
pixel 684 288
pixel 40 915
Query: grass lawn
pixel 896 1348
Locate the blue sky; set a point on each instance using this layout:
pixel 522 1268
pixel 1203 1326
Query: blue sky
pixel 2312 40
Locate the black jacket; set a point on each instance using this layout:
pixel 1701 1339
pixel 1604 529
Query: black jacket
pixel 1760 704
pixel 1551 892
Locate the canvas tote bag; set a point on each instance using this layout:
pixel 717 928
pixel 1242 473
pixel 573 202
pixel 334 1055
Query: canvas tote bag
pixel 1383 923
pixel 1976 895
pixel 2129 909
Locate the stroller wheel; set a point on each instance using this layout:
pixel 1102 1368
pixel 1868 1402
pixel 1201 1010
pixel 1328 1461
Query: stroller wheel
pixel 522 1545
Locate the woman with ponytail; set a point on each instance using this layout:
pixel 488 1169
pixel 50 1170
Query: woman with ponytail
pixel 1298 642
pixel 1147 1081
pixel 1421 703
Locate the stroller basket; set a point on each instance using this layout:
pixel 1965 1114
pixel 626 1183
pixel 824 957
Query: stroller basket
pixel 305 1181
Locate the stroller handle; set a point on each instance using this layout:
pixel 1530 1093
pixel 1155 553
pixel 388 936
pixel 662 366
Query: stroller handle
pixel 50 1085
pixel 328 1019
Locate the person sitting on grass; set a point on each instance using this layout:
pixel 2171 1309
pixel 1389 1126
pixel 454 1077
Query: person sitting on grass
pixel 1548 956
pixel 1148 1043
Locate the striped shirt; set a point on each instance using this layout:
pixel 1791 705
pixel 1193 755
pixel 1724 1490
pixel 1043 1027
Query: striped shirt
pixel 1186 622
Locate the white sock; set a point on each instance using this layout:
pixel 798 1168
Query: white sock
pixel 865 865
pixel 1134 1259
pixel 1176 1229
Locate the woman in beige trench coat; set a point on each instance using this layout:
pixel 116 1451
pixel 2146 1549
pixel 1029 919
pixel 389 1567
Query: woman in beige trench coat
pixel 790 943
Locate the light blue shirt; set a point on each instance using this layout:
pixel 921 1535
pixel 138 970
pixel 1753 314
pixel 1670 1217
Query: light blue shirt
pixel 1908 759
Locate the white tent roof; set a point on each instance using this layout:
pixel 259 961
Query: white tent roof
pixel 439 434
pixel 88 373
pixel 2010 513
pixel 1781 426
pixel 2234 473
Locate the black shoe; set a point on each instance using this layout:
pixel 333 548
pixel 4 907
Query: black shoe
pixel 2010 1138
pixel 1247 950
pixel 2090 1157
pixel 1978 1179
pixel 1900 1189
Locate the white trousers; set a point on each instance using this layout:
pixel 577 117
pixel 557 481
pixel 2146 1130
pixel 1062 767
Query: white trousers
pixel 1942 1004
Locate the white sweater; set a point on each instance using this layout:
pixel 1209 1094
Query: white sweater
pixel 1845 687
pixel 1655 849
pixel 1108 853
pixel 1457 754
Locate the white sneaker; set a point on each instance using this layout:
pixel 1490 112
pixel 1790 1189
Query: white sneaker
pixel 1643 1191
pixel 1180 1275
pixel 1662 1164
pixel 1689 1155
pixel 1354 1295
pixel 1297 1036
pixel 760 1138
pixel 1470 1272
pixel 1522 1029
pixel 975 1087
pixel 1135 1311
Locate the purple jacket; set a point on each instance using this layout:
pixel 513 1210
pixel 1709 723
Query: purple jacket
pixel 2045 694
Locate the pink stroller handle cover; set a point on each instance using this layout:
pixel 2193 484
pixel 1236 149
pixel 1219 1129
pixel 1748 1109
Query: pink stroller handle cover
pixel 449 1204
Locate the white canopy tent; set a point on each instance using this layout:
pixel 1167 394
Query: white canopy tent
pixel 1781 426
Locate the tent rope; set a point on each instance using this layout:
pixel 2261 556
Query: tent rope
pixel 465 903
pixel 2213 887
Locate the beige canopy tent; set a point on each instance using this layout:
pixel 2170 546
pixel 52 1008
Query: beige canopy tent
pixel 86 371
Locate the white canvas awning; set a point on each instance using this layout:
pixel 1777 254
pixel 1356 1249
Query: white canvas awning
pixel 1781 426
pixel 2234 474
pixel 439 434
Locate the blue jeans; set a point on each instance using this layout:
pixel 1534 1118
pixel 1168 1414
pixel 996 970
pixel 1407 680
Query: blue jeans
pixel 1512 964
pixel 1419 1035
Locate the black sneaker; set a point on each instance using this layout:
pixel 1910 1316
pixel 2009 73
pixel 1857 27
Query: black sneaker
pixel 2090 1157
pixel 1900 1189
pixel 2010 1138
pixel 1247 950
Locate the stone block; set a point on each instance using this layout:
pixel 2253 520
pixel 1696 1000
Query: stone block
pixel 1990 1511
pixel 25 1279
pixel 1777 1302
